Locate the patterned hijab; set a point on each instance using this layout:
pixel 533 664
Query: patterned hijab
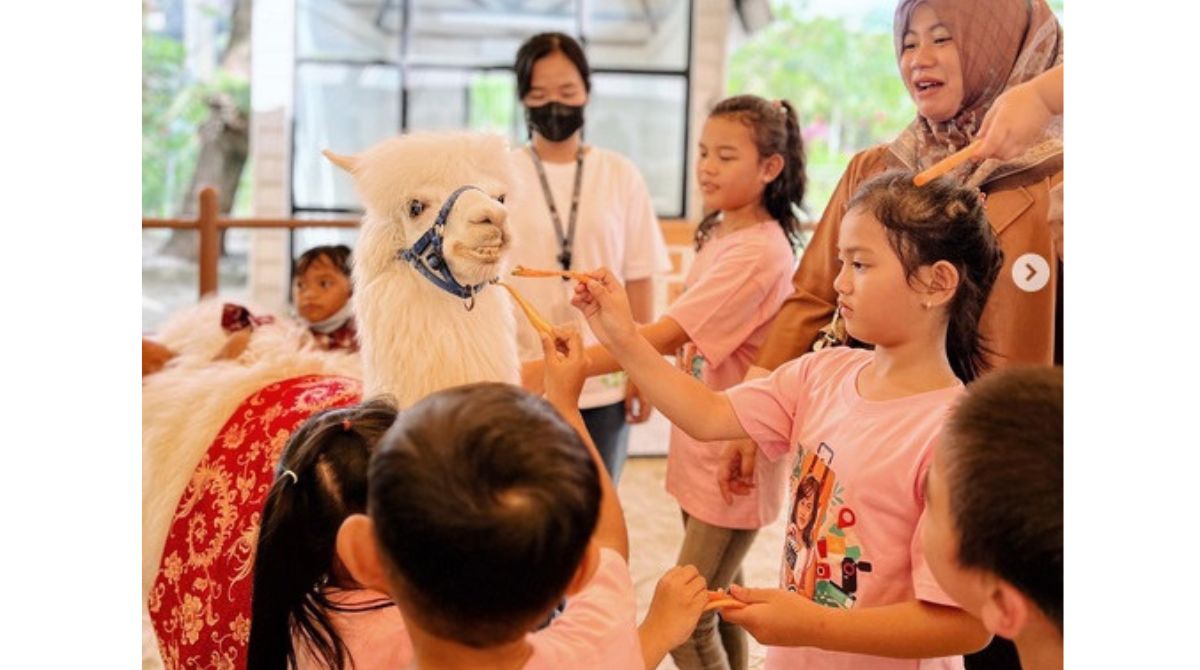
pixel 1001 43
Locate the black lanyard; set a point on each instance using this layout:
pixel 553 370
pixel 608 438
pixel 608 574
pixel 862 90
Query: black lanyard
pixel 566 241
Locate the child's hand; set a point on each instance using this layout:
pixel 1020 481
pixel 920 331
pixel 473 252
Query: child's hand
pixel 678 601
pixel 532 373
pixel 735 475
pixel 565 366
pixel 603 302
pixel 154 356
pixel 775 616
pixel 234 346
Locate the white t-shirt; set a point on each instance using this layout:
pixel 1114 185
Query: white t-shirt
pixel 616 228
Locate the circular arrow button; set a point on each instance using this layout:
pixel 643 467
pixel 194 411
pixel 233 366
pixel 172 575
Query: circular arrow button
pixel 1031 273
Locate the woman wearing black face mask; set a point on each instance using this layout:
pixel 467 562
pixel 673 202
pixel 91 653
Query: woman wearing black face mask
pixel 578 207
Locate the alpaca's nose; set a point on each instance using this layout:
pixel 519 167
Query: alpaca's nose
pixel 490 216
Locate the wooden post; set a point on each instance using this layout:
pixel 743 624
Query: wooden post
pixel 210 239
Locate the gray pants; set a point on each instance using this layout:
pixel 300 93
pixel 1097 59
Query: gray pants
pixel 717 553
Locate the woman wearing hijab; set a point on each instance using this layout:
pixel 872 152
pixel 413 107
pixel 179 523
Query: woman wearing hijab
pixel 955 59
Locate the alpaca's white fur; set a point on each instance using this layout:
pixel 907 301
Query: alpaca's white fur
pixel 185 405
pixel 415 338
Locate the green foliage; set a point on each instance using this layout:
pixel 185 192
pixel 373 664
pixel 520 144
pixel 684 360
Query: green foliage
pixel 493 101
pixel 843 83
pixel 173 109
pixel 169 119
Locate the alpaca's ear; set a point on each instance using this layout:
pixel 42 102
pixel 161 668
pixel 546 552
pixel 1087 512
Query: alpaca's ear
pixel 347 163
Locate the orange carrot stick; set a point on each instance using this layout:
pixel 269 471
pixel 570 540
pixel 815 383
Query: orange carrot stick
pixel 539 324
pixel 946 164
pixel 723 603
pixel 522 271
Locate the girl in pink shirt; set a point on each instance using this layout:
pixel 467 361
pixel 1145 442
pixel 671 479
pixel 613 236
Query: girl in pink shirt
pixel 307 611
pixel 751 174
pixel 918 264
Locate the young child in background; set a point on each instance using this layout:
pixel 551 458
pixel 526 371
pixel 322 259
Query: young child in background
pixel 321 289
pixel 917 267
pixel 751 175
pixel 308 612
pixel 485 507
pixel 994 532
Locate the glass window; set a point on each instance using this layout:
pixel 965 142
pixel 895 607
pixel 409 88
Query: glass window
pixel 344 108
pixel 452 68
pixel 348 30
pixel 643 117
pixel 638 34
pixel 193 52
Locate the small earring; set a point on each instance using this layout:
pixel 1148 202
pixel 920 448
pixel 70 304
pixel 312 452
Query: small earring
pixel 926 304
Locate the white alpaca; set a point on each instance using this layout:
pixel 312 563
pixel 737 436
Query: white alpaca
pixel 415 337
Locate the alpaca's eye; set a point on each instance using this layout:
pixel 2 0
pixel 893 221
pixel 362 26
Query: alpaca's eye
pixel 415 207
pixel 500 198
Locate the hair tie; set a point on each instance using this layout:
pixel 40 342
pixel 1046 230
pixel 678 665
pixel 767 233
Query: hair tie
pixel 777 104
pixel 345 424
pixel 289 473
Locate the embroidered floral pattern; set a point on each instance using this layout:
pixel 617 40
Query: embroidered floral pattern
pixel 200 601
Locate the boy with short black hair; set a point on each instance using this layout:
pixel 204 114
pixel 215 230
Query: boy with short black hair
pixel 486 506
pixel 993 534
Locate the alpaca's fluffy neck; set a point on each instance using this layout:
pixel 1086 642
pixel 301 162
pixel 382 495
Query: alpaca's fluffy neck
pixel 417 339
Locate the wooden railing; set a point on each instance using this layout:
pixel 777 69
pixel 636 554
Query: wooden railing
pixel 208 224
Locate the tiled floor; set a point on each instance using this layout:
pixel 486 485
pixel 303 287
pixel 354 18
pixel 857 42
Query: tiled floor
pixel 655 529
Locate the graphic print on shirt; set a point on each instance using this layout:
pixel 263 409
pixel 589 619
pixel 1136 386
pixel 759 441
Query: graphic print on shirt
pixel 822 556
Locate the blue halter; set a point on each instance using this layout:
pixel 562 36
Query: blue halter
pixel 427 257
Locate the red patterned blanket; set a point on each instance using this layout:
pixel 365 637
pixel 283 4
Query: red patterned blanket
pixel 200 601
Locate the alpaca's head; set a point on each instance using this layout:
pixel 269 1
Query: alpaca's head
pixel 403 183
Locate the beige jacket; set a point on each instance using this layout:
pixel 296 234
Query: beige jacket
pixel 1018 321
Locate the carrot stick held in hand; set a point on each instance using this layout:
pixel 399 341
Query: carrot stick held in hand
pixel 522 271
pixel 539 324
pixel 719 599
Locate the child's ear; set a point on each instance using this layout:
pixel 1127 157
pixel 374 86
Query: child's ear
pixel 1005 609
pixel 771 167
pixel 941 282
pixel 587 568
pixel 359 552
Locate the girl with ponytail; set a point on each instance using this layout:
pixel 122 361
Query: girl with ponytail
pixel 917 266
pixel 307 611
pixel 750 173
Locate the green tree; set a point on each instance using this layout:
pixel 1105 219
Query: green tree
pixel 194 132
pixel 843 83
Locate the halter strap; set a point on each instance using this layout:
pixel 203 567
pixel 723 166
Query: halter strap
pixel 427 257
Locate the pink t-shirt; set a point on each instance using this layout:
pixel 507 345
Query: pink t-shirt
pixel 736 285
pixel 598 629
pixel 855 498
pixel 375 638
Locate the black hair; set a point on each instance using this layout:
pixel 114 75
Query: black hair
pixel 295 555
pixel 483 501
pixel 941 221
pixel 775 130
pixel 337 254
pixel 1002 459
pixel 541 45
